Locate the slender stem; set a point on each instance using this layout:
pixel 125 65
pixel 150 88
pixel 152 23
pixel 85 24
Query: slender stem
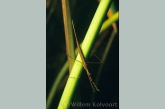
pixel 68 32
pixel 108 22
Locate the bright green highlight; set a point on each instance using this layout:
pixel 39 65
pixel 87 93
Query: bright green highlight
pixel 108 22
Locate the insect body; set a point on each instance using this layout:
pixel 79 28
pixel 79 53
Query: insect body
pixel 84 62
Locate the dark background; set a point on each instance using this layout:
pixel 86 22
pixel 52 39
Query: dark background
pixel 82 13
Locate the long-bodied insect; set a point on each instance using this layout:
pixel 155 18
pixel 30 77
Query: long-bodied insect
pixel 84 62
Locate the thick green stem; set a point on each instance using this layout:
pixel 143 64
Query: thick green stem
pixel 86 48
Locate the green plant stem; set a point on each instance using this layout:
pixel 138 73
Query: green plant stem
pixel 87 45
pixel 109 22
pixel 56 84
pixel 113 7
